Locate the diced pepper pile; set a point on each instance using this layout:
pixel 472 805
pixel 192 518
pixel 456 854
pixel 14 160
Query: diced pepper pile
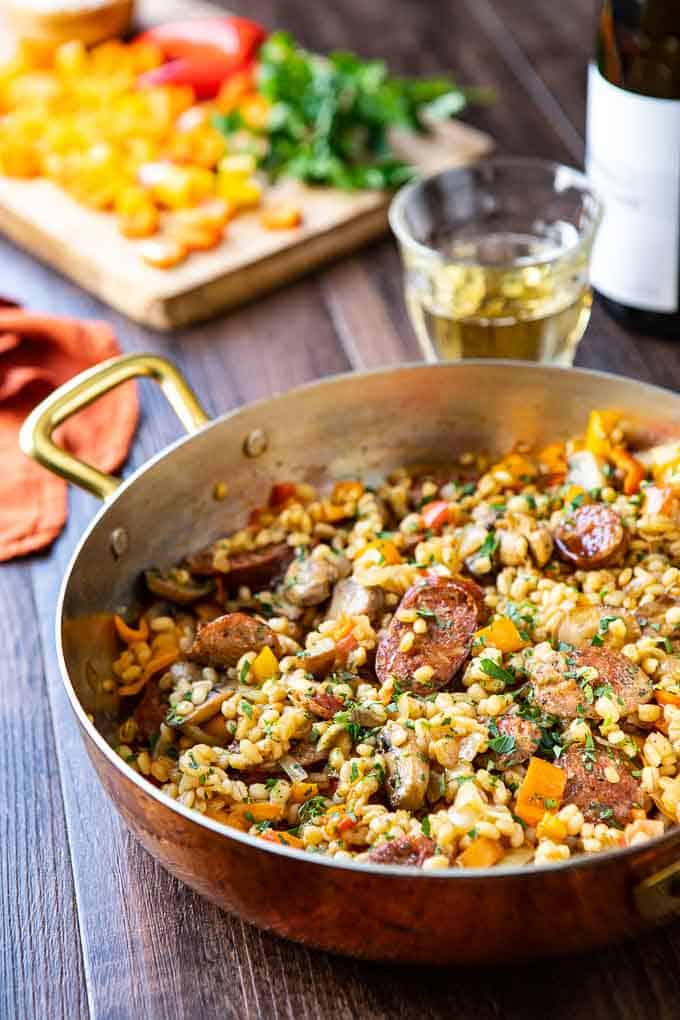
pixel 127 129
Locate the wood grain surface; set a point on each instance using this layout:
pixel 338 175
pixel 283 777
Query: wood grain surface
pixel 90 926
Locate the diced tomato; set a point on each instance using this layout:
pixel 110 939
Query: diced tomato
pixel 281 493
pixel 435 514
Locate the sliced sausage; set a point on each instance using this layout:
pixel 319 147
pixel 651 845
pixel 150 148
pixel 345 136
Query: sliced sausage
pixel 591 537
pixel 407 850
pixel 592 791
pixel 222 642
pixel 308 582
pixel 526 734
pixel 630 686
pixel 324 705
pixel 352 599
pixel 150 712
pixel 563 693
pixel 256 569
pixel 452 609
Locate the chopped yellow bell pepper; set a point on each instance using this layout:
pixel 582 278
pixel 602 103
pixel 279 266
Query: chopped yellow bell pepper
pixel 264 665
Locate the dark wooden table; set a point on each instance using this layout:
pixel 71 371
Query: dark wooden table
pixel 89 924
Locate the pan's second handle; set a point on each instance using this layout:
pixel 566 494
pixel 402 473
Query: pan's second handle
pixel 658 897
pixel 36 432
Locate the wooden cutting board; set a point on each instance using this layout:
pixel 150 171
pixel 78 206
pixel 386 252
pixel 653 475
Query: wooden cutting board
pixel 87 247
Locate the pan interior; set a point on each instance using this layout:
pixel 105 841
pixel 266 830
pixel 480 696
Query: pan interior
pixel 348 426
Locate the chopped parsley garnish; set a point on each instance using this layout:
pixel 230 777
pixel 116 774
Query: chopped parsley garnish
pixel 577 501
pixel 602 628
pixel 492 669
pixel 312 808
pixel 425 826
pixel 354 772
pixel 246 708
pixel 245 670
pixel 504 743
pixel 469 488
pixel 489 545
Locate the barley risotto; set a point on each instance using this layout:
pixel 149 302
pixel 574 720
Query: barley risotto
pixel 461 667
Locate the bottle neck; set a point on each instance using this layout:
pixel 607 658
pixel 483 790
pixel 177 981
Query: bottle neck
pixel 639 46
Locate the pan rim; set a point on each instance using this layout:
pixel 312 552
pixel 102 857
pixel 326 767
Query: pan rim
pixel 530 872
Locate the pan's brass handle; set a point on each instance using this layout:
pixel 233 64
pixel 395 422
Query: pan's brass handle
pixel 658 896
pixel 36 433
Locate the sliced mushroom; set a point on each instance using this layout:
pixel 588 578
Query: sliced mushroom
pixel 352 599
pixel 309 582
pixel 580 625
pixel 177 585
pixel 369 715
pixel 206 710
pixel 408 770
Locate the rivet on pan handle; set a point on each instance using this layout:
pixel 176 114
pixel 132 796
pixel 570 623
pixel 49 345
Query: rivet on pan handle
pixel 36 433
pixel 658 896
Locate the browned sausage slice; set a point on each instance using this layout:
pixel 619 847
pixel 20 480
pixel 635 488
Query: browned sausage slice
pixel 324 705
pixel 406 851
pixel 452 609
pixel 223 641
pixel 567 694
pixel 590 787
pixel 525 733
pixel 591 537
pixel 256 569
pixel 150 711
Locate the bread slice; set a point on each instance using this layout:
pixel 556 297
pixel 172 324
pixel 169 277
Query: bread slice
pixel 61 20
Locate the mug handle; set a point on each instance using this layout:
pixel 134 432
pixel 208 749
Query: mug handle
pixel 35 437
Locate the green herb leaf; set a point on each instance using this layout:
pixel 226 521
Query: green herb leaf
pixel 504 743
pixel 425 826
pixel 492 669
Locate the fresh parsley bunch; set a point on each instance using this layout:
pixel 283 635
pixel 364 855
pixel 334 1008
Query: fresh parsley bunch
pixel 330 117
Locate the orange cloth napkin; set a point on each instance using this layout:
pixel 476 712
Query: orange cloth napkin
pixel 37 354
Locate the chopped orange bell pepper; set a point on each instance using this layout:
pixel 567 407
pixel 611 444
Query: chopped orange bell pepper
pixel 286 838
pixel 300 791
pixel 129 634
pixel 257 811
pixel 501 634
pixel 600 425
pixel 283 216
pixel 482 853
pixel 667 698
pixel 633 471
pixel 543 784
pixel 344 492
pixel 387 551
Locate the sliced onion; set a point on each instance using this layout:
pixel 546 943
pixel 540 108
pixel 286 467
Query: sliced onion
pixel 292 768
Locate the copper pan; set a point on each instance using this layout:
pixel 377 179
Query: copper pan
pixel 344 426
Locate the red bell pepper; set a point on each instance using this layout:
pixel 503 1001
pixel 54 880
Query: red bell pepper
pixel 230 39
pixel 435 514
pixel 205 77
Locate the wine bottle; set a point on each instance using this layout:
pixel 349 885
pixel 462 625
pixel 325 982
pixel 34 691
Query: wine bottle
pixel 633 160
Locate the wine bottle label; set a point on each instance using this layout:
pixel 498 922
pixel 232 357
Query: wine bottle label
pixel 633 161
